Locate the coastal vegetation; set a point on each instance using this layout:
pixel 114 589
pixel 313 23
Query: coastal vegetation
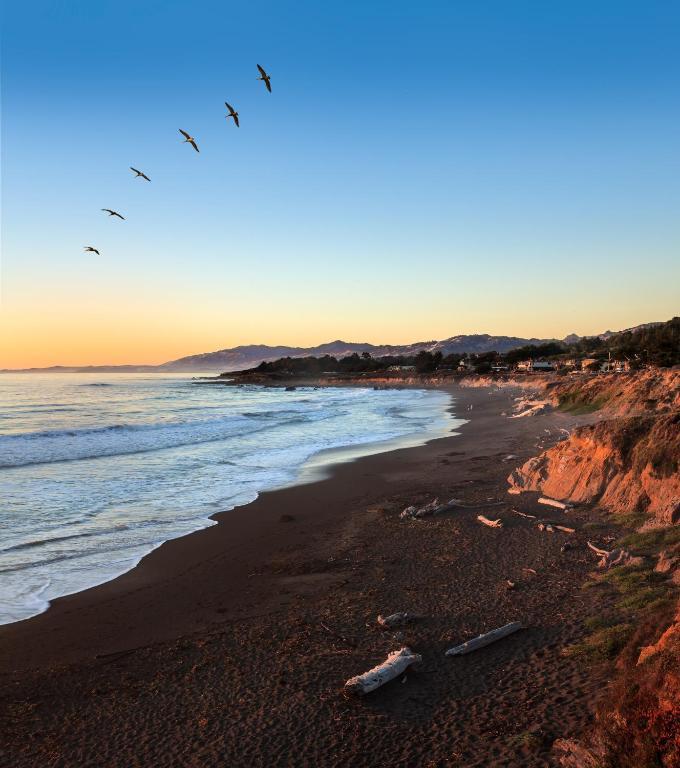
pixel 637 722
pixel 572 403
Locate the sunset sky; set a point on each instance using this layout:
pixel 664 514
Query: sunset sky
pixel 421 169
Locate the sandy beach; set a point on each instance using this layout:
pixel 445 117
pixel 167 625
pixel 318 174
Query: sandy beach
pixel 230 646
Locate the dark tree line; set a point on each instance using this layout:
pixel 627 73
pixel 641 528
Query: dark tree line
pixel 534 352
pixel 658 345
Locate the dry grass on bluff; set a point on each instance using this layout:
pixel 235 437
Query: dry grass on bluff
pixel 637 723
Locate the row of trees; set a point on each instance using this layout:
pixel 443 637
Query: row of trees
pixel 355 363
pixel 657 345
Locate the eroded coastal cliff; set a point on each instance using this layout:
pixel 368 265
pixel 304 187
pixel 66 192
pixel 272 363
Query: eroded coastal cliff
pixel 627 465
pixel 627 462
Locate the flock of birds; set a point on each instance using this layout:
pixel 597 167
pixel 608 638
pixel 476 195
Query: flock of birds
pixel 188 139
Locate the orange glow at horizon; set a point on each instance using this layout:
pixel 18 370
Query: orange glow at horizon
pixel 104 334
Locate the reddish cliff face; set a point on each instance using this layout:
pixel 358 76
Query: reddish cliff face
pixel 625 465
pixel 622 394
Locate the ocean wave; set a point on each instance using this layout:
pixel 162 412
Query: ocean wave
pixel 270 414
pixel 82 554
pixel 61 445
pixel 97 384
pixel 105 533
pixel 48 541
pixel 64 445
pixel 40 408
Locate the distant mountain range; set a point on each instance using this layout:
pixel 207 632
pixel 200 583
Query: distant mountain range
pixel 608 334
pixel 248 356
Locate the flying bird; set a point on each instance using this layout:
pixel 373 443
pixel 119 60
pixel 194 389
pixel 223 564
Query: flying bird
pixel 113 213
pixel 232 113
pixel 139 174
pixel 90 249
pixel 189 139
pixel 265 78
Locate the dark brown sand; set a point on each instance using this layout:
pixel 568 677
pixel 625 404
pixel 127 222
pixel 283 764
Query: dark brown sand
pixel 229 647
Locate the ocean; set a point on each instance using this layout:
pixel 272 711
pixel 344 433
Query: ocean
pixel 98 470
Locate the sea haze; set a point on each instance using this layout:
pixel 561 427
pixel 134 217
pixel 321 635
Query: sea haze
pixel 98 470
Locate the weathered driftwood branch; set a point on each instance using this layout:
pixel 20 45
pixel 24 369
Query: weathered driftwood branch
pixel 394 620
pixel 524 514
pixel 529 408
pixel 615 557
pixel 491 523
pixel 544 525
pixel 436 508
pixel 553 503
pixel 485 639
pixel 433 508
pixel 393 666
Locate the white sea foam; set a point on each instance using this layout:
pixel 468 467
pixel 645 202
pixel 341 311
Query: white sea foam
pixel 96 473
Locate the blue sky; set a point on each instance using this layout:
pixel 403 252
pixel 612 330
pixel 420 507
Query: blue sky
pixel 420 170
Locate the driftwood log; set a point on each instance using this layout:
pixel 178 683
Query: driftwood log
pixel 433 508
pixel 485 639
pixel 553 503
pixel 609 559
pixel 491 523
pixel 394 620
pixel 436 508
pixel 597 550
pixel 393 666
pixel 543 525
pixel 565 529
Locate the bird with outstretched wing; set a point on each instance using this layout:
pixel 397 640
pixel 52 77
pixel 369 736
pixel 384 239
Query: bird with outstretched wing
pixel 189 139
pixel 232 113
pixel 139 174
pixel 266 79
pixel 113 213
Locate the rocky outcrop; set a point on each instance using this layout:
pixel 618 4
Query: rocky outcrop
pixel 625 465
pixel 669 641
